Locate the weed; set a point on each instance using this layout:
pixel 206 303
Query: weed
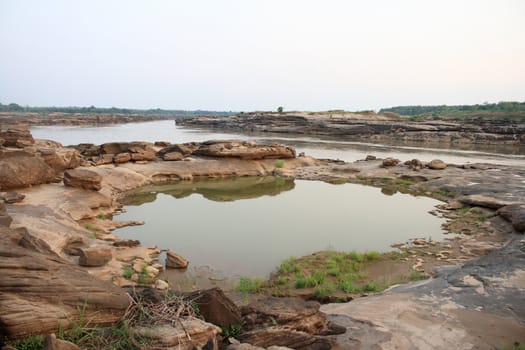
pixel 324 291
pixel 128 272
pixel 92 235
pixel 334 271
pixel 279 163
pixel 101 216
pixel 249 285
pixel 81 329
pixel 373 287
pixel 372 255
pixel 404 182
pixel 33 342
pixel 416 276
pixel 89 227
pixel 443 193
pixel 289 266
pixel 305 282
pixel 232 330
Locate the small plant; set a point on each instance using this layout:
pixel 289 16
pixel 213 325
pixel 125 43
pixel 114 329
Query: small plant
pixel 249 285
pixel 279 163
pixel 372 287
pixel 92 235
pixel 81 329
pixel 334 271
pixel 324 291
pixel 416 276
pixel 33 342
pixel 89 227
pixel 289 266
pixel 232 331
pixel 128 272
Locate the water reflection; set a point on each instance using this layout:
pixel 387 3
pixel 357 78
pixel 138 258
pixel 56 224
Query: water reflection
pixel 218 190
pixel 247 226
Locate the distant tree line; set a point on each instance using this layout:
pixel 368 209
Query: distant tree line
pixel 506 107
pixel 13 107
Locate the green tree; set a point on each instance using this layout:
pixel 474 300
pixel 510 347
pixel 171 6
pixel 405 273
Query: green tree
pixel 279 109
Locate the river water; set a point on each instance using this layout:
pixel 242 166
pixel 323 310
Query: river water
pixel 349 151
pixel 232 227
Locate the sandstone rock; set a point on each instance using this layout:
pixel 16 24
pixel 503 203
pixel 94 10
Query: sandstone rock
pixel 5 220
pixel 83 178
pixel 514 213
pixel 276 336
pixel 294 313
pixel 175 261
pixel 121 158
pixel 127 243
pixel 21 169
pixel 16 136
pixel 415 164
pixel 52 343
pixel 244 150
pixel 11 197
pixel 161 285
pixel 184 150
pixel 437 164
pixel 187 334
pixel 39 290
pixel 389 162
pixel 102 159
pixel 96 256
pixel 215 307
pixel 143 156
pixel 370 157
pixel 61 159
pixel 173 156
pixel 480 200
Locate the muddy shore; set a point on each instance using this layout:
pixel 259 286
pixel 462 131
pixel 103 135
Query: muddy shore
pixel 477 301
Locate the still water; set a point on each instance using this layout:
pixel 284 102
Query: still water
pixel 248 226
pixel 322 147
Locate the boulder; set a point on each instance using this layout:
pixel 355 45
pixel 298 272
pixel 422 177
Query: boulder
pixel 144 156
pixel 479 200
pixel 283 337
pixel 389 162
pixel 94 257
pixel 515 214
pixel 12 197
pixel 175 261
pixel 61 159
pixel 83 178
pixel 370 157
pixel 22 169
pixel 187 334
pixel 244 150
pixel 5 219
pixel 102 159
pixel 415 164
pixel 121 158
pixel 40 291
pixel 437 164
pixel 16 136
pixel 215 307
pixel 184 150
pixel 172 156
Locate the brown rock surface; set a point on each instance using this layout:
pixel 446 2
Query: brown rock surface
pixel 215 307
pixel 172 156
pixel 83 178
pixel 122 158
pixel 21 169
pixel 175 261
pixel 388 162
pixel 94 256
pixel 244 150
pixel 16 136
pixel 437 164
pixel 52 343
pixel 38 289
pixel 187 334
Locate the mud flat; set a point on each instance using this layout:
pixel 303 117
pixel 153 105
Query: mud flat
pixel 58 252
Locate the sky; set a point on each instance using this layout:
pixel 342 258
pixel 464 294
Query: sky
pixel 246 55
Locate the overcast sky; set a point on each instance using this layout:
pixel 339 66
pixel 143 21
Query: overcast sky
pixel 260 54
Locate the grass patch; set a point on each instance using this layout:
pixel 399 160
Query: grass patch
pixel 33 342
pixel 249 285
pixel 128 272
pixel 417 276
pixel 443 193
pixel 231 331
pixel 279 163
pixel 289 266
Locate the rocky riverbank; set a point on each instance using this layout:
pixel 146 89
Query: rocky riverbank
pixel 59 118
pixel 368 126
pixel 59 258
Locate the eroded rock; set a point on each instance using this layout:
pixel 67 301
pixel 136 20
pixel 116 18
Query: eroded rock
pixel 175 261
pixel 83 178
pixel 390 162
pixel 94 256
pixel 514 213
pixel 39 290
pixel 22 169
pixel 244 150
pixel 216 307
pixel 437 164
